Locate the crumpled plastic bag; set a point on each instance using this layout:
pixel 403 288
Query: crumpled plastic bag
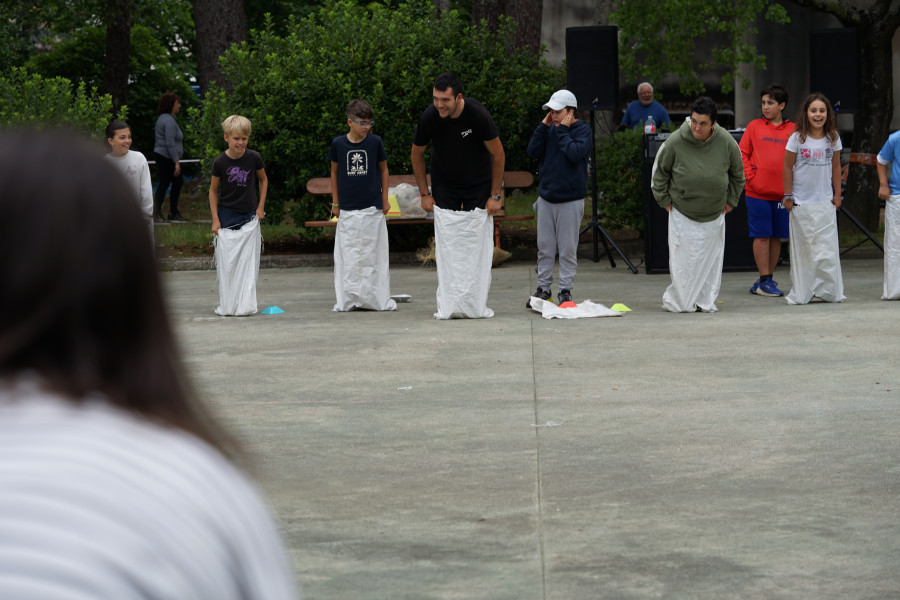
pixel 583 310
pixel 361 261
pixel 696 255
pixel 815 254
pixel 408 201
pixel 464 249
pixel 237 268
pixel 892 248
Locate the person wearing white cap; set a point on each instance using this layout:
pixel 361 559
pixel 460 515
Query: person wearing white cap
pixel 562 142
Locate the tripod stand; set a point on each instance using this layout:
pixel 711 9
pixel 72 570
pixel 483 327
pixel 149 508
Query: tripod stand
pixel 594 226
pixel 859 226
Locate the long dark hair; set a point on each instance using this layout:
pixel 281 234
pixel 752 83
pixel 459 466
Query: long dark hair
pixel 167 102
pixel 82 306
pixel 830 127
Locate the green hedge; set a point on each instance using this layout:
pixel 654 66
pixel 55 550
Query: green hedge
pixel 619 179
pixel 33 100
pixel 295 88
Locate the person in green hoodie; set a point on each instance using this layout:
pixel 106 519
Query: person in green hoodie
pixel 698 177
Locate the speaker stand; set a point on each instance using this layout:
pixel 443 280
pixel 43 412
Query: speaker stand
pixel 600 234
pixel 865 232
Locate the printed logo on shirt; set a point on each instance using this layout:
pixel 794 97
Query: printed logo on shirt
pixel 805 153
pixel 130 171
pixel 466 132
pixel 357 162
pixel 238 176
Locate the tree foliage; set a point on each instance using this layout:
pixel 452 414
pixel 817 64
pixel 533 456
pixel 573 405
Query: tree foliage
pixel 32 100
pixel 661 38
pixel 82 55
pixel 295 88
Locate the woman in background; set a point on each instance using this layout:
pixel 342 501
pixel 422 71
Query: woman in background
pixel 167 151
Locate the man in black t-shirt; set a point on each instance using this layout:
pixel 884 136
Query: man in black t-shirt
pixel 467 157
pixel 467 163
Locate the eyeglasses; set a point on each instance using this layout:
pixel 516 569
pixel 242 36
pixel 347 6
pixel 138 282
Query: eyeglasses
pixel 364 123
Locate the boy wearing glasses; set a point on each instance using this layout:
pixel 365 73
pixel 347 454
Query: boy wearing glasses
pixel 359 197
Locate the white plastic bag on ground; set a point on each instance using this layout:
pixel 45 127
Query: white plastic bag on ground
pixel 586 309
pixel 892 248
pixel 408 201
pixel 464 249
pixel 237 268
pixel 696 255
pixel 815 254
pixel 361 262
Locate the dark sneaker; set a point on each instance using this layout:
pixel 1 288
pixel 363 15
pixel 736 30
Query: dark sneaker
pixel 540 293
pixel 177 218
pixel 564 296
pixel 755 287
pixel 160 220
pixel 768 288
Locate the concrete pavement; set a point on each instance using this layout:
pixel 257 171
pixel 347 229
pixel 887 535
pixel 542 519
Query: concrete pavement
pixel 751 453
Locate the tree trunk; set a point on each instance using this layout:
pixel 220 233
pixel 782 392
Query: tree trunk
pixel 442 6
pixel 218 25
pixel 527 15
pixel 871 123
pixel 488 10
pixel 118 51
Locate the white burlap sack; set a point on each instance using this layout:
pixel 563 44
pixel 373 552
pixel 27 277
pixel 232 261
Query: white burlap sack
pixel 361 263
pixel 584 310
pixel 815 254
pixel 464 249
pixel 237 268
pixel 892 248
pixel 696 254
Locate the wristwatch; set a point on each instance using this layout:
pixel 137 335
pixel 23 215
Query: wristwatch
pixel 497 197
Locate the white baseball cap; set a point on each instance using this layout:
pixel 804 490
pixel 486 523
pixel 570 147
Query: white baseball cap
pixel 560 99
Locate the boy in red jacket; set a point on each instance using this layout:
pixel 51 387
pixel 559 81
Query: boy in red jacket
pixel 762 150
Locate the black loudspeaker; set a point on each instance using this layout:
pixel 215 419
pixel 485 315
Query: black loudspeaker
pixel 834 67
pixel 592 66
pixel 738 245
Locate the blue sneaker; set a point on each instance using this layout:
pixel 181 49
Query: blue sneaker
pixel 755 287
pixel 768 288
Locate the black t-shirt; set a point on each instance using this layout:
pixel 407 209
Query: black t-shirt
pixel 237 180
pixel 359 180
pixel 460 162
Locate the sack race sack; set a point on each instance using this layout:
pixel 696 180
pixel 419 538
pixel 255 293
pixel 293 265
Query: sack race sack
pixel 361 261
pixel 584 310
pixel 815 254
pixel 464 249
pixel 892 248
pixel 696 255
pixel 237 268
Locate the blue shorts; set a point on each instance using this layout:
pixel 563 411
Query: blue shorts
pixel 767 219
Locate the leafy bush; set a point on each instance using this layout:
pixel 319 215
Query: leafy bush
pixel 295 88
pixel 82 56
pixel 30 99
pixel 619 179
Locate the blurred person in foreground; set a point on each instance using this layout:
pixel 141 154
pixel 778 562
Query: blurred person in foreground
pixel 114 481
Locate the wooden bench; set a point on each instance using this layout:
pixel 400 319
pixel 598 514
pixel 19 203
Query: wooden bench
pixel 321 186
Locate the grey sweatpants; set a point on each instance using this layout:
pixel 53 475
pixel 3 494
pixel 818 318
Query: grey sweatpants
pixel 557 231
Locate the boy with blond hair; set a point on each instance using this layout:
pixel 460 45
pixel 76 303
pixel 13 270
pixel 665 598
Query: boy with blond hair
pixel 236 213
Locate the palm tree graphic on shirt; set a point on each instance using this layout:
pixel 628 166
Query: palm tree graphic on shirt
pixel 357 162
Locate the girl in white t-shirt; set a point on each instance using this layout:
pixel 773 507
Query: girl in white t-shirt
pixel 812 188
pixel 133 167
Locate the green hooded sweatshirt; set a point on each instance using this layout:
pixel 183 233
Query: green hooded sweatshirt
pixel 696 177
